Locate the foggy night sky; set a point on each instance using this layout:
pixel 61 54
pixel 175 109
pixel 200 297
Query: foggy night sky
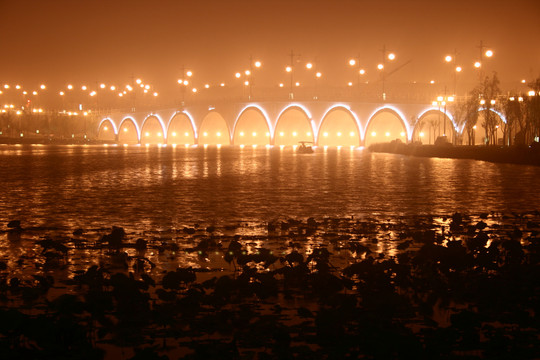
pixel 60 41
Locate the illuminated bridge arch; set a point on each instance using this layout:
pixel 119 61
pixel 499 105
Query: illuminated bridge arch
pixel 128 131
pixel 181 129
pixel 383 128
pixel 499 114
pixel 340 127
pixel 107 130
pixel 213 130
pixel 432 123
pixel 153 130
pixel 483 135
pixel 294 123
pixel 252 127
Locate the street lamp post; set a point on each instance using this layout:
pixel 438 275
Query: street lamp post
pixel 442 102
pixel 289 69
pixel 479 64
pixel 355 62
pixel 382 66
pixel 184 83
pixel 251 75
pixel 457 69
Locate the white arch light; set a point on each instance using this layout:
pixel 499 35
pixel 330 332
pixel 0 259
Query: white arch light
pixel 397 112
pixel 190 118
pixel 483 108
pixel 112 123
pixel 302 108
pixel 163 129
pixel 436 109
pixel 264 114
pixel 346 107
pixel 129 118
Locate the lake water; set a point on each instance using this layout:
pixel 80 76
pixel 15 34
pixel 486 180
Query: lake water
pixel 153 188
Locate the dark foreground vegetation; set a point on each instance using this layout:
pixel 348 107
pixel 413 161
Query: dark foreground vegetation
pixel 456 287
pixel 523 155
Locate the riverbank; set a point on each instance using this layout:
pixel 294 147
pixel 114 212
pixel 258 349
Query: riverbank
pixel 457 286
pixel 521 155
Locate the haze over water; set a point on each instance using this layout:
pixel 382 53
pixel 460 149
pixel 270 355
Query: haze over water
pixel 158 188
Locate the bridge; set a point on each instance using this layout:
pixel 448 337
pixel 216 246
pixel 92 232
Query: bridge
pixel 281 123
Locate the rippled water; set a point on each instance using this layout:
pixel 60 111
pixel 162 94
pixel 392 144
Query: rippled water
pixel 158 188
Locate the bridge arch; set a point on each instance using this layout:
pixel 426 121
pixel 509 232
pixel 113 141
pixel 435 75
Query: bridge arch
pixel 181 129
pixel 339 127
pixel 214 130
pixel 381 128
pixel 294 123
pixel 153 130
pixel 107 130
pixel 429 126
pixel 490 127
pixel 256 129
pixel 128 131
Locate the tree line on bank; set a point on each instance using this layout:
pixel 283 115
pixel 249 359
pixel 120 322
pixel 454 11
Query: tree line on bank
pixel 521 111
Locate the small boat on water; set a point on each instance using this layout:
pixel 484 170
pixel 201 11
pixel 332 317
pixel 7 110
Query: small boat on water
pixel 303 148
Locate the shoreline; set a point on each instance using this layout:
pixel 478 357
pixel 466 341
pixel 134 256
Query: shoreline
pixel 518 155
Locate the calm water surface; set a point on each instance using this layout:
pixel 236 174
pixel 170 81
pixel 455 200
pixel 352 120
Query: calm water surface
pixel 162 188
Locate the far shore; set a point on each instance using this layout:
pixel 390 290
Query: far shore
pixel 522 155
pixel 50 141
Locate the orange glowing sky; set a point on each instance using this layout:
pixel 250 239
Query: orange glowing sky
pixel 59 41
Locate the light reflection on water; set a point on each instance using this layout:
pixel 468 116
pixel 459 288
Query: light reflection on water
pixel 165 187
